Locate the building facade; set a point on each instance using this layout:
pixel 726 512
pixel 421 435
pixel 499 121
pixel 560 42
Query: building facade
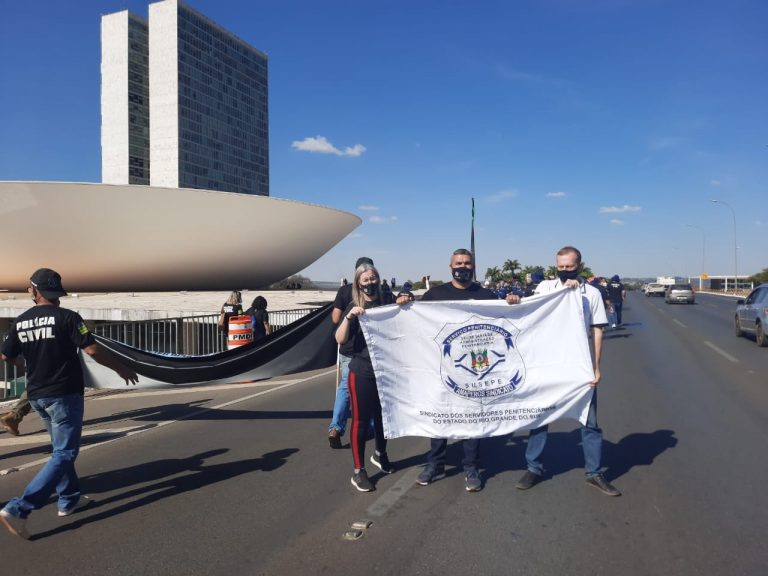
pixel 124 99
pixel 207 104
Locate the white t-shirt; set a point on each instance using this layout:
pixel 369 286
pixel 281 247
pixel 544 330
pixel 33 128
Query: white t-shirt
pixel 592 300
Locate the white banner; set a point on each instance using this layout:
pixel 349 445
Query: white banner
pixel 471 369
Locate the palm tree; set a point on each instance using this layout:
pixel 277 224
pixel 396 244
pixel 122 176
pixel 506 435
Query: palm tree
pixel 551 272
pixel 511 266
pixel 494 274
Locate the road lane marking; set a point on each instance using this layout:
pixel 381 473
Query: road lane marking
pixel 386 501
pixel 676 321
pixel 43 437
pixel 722 352
pixel 186 389
pixel 144 428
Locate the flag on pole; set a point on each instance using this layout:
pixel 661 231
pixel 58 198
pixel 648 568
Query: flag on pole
pixel 472 244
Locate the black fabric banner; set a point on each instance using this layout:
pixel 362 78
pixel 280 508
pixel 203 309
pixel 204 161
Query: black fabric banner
pixel 307 344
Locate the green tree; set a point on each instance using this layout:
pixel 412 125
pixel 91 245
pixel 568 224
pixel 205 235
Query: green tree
pixel 760 277
pixel 494 274
pixel 526 271
pixel 551 272
pixel 511 266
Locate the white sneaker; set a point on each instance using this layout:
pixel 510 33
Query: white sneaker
pixel 15 525
pixel 81 503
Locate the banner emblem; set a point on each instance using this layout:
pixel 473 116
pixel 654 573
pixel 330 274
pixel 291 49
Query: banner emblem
pixel 479 360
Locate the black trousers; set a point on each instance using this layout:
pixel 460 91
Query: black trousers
pixel 364 398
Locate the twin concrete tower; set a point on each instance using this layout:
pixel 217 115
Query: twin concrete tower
pixel 184 103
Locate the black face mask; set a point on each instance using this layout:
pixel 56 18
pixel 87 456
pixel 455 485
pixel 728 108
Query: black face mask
pixel 368 289
pixel 462 275
pixel 568 274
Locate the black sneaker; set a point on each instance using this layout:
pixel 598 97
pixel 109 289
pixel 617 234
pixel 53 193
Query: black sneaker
pixel 334 438
pixel 598 481
pixel 472 482
pixel 528 480
pixel 360 481
pixel 381 461
pixel 430 474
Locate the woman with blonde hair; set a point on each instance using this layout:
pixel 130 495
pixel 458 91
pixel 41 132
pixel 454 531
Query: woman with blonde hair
pixel 364 396
pixel 232 307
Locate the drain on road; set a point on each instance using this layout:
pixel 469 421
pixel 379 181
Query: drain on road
pixel 357 531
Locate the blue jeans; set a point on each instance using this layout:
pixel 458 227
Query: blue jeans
pixel 591 443
pixel 617 310
pixel 341 410
pixel 439 446
pixel 63 418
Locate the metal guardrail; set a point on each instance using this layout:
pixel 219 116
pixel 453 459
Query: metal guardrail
pixel 184 336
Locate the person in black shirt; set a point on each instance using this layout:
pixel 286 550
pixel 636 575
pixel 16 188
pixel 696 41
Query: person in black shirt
pixel 366 293
pixel 338 424
pixel 461 287
pixel 48 337
pixel 232 307
pixel 616 293
pixel 259 318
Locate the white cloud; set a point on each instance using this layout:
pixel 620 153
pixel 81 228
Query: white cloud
pixel 508 73
pixel 555 194
pixel 355 235
pixel 616 209
pixel 367 208
pixel 321 145
pixel 666 143
pixel 617 222
pixel 714 183
pixel 502 195
pixel 382 219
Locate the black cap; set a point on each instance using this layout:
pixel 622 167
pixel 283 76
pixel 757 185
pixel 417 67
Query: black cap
pixel 363 260
pixel 48 283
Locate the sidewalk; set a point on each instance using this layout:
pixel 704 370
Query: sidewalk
pixel 128 306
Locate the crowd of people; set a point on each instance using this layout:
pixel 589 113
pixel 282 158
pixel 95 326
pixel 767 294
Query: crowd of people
pixel 258 312
pixel 44 341
pixel 357 382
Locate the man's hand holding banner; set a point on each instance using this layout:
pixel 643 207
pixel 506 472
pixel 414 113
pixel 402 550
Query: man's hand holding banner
pixel 475 368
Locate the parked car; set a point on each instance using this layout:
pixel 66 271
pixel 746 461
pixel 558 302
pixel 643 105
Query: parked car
pixel 679 293
pixel 752 315
pixel 654 289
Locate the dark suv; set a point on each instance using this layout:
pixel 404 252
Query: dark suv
pixel 679 293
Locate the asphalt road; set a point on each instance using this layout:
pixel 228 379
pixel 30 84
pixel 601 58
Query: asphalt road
pixel 240 479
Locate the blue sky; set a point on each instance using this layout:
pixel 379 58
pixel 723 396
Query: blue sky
pixel 606 124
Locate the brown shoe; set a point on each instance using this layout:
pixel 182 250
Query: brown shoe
pixel 10 423
pixel 334 439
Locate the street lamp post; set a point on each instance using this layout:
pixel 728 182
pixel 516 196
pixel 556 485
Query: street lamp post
pixel 703 253
pixel 735 250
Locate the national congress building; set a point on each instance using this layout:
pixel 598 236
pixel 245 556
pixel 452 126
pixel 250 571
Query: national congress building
pixel 184 103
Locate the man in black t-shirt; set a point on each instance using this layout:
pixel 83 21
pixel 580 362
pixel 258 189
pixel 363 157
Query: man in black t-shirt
pixel 48 337
pixel 461 287
pixel 616 293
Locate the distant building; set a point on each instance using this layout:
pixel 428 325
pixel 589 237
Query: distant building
pixel 207 103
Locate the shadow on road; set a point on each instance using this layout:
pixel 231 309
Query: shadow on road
pixel 162 479
pixel 174 411
pixel 563 452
